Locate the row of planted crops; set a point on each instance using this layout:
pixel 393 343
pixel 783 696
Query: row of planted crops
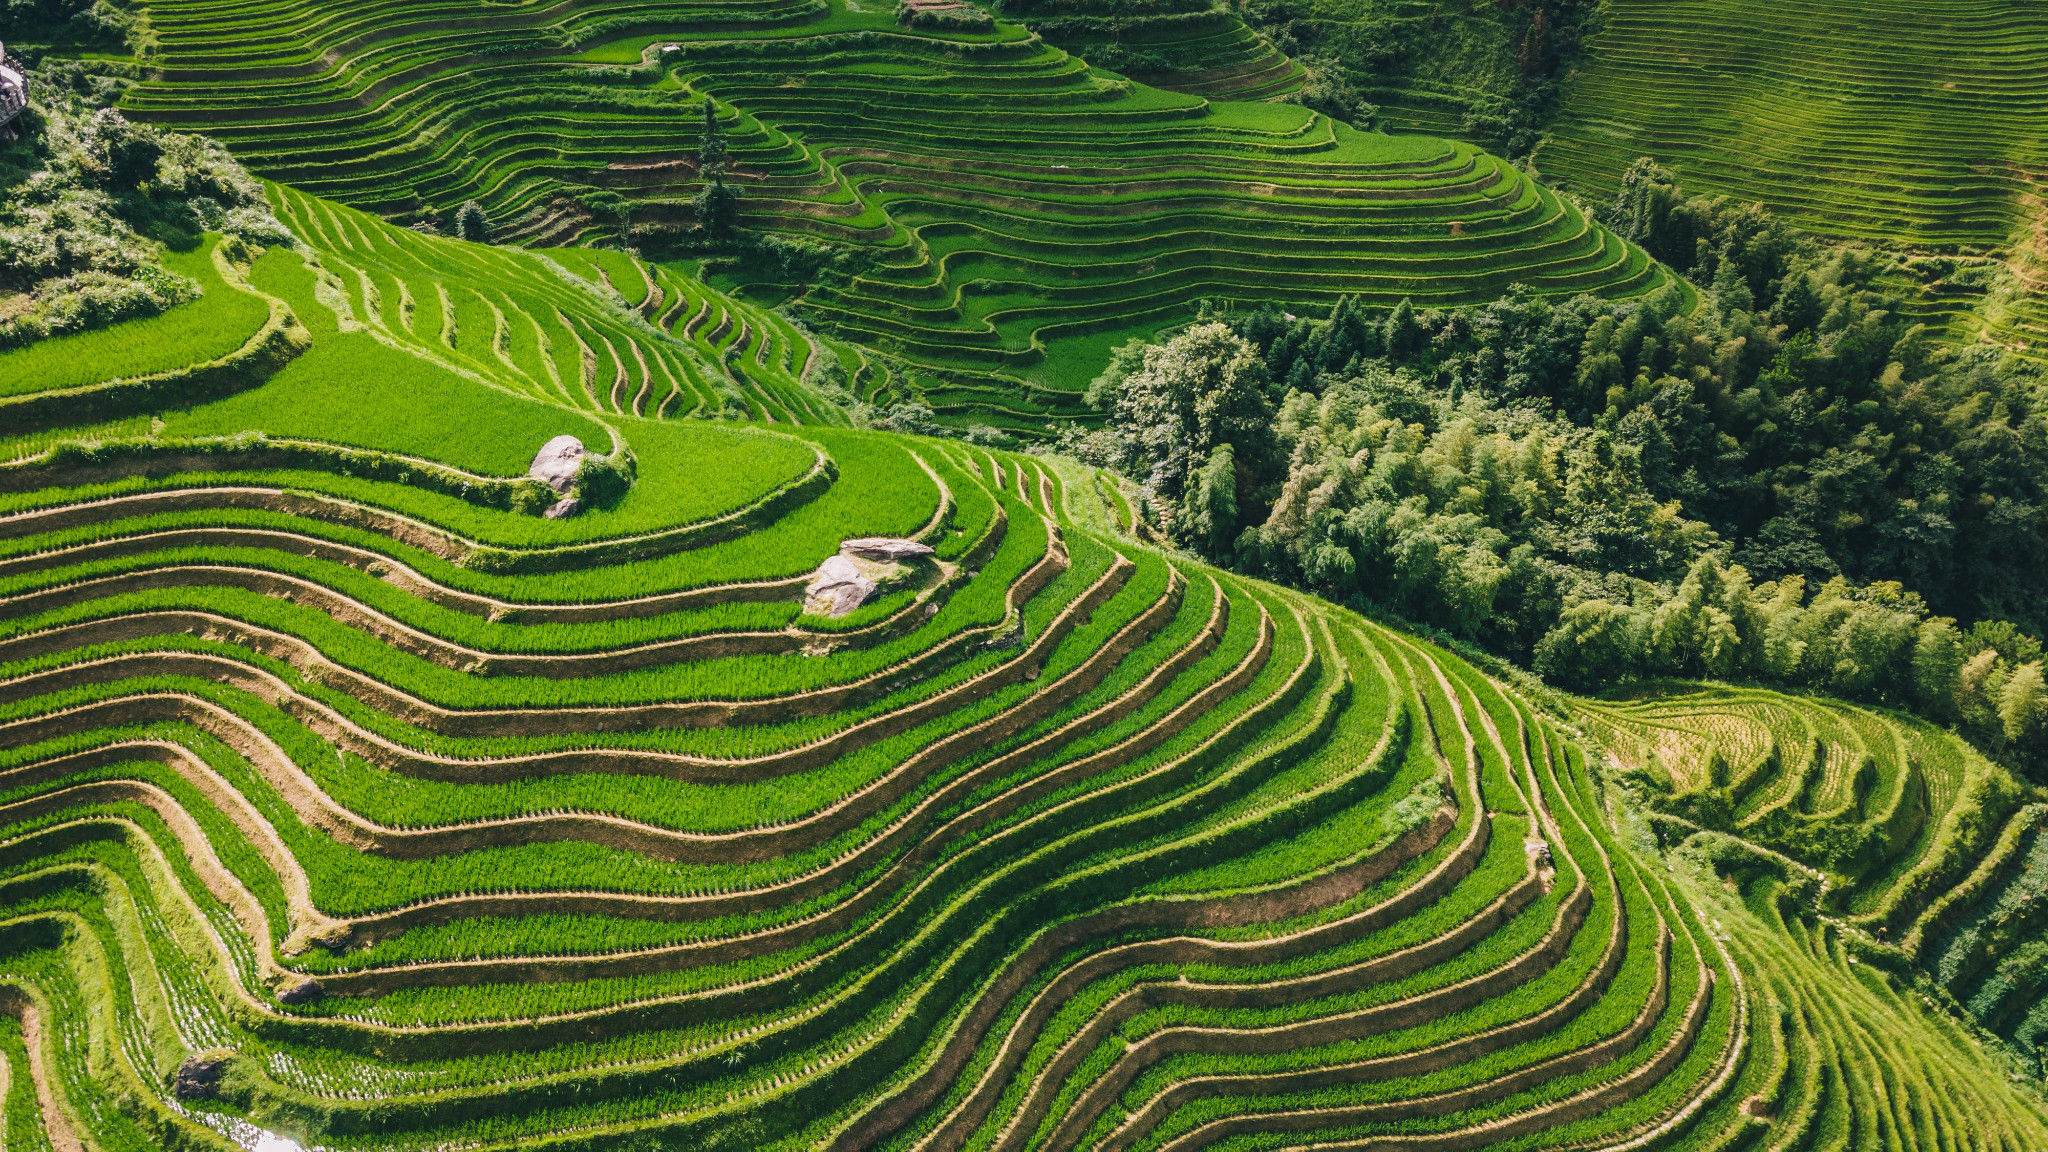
pixel 590 329
pixel 531 321
pixel 1896 124
pixel 1897 832
pixel 344 798
pixel 340 803
pixel 1001 208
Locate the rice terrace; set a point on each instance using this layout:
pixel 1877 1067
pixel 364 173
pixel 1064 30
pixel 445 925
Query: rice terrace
pixel 1003 575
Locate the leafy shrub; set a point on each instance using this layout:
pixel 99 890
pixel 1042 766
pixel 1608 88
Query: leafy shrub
pixel 717 208
pixel 965 18
pixel 470 224
pixel 85 201
pixel 119 154
pixel 603 481
pixel 1328 89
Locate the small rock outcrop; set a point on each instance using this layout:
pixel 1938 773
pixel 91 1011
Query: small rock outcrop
pixel 304 992
pixel 838 588
pixel 885 549
pixel 13 88
pixel 557 462
pixel 198 1078
pixel 850 579
pixel 565 507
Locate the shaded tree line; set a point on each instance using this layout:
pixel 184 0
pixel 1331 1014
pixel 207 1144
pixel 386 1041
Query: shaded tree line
pixel 72 25
pixel 1786 480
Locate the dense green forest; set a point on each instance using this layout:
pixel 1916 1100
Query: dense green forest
pixel 1793 483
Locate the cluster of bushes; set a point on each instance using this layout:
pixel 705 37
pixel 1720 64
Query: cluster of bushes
pixel 603 481
pixel 964 18
pixel 73 25
pixel 1507 63
pixel 1328 88
pixel 1609 490
pixel 87 198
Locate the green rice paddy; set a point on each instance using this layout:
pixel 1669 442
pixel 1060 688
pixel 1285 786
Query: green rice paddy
pixel 348 803
pixel 1010 198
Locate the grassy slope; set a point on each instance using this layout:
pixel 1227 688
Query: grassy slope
pixel 237 729
pixel 1011 201
pixel 1896 123
pixel 217 323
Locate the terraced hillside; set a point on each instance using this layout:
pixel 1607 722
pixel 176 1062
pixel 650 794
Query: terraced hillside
pixel 593 330
pixel 667 345
pixel 1896 123
pixel 1182 45
pixel 342 800
pixel 1004 212
pixel 1899 832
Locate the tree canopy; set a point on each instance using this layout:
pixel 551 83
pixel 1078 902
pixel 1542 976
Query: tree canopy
pixel 1785 480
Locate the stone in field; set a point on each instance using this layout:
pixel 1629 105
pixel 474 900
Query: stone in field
pixel 885 549
pixel 838 588
pixel 199 1076
pixel 564 508
pixel 557 462
pixel 304 992
pixel 850 579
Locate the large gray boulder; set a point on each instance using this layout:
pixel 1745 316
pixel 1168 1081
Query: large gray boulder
pixel 557 462
pixel 838 588
pixel 885 549
pixel 864 563
pixel 198 1078
pixel 304 992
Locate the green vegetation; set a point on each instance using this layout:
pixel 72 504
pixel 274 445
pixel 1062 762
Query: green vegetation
pixel 1607 491
pixel 1914 126
pixel 222 319
pixel 1911 129
pixel 601 331
pixel 1070 841
pixel 88 203
pixel 783 774
pixel 1921 857
pixel 962 204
